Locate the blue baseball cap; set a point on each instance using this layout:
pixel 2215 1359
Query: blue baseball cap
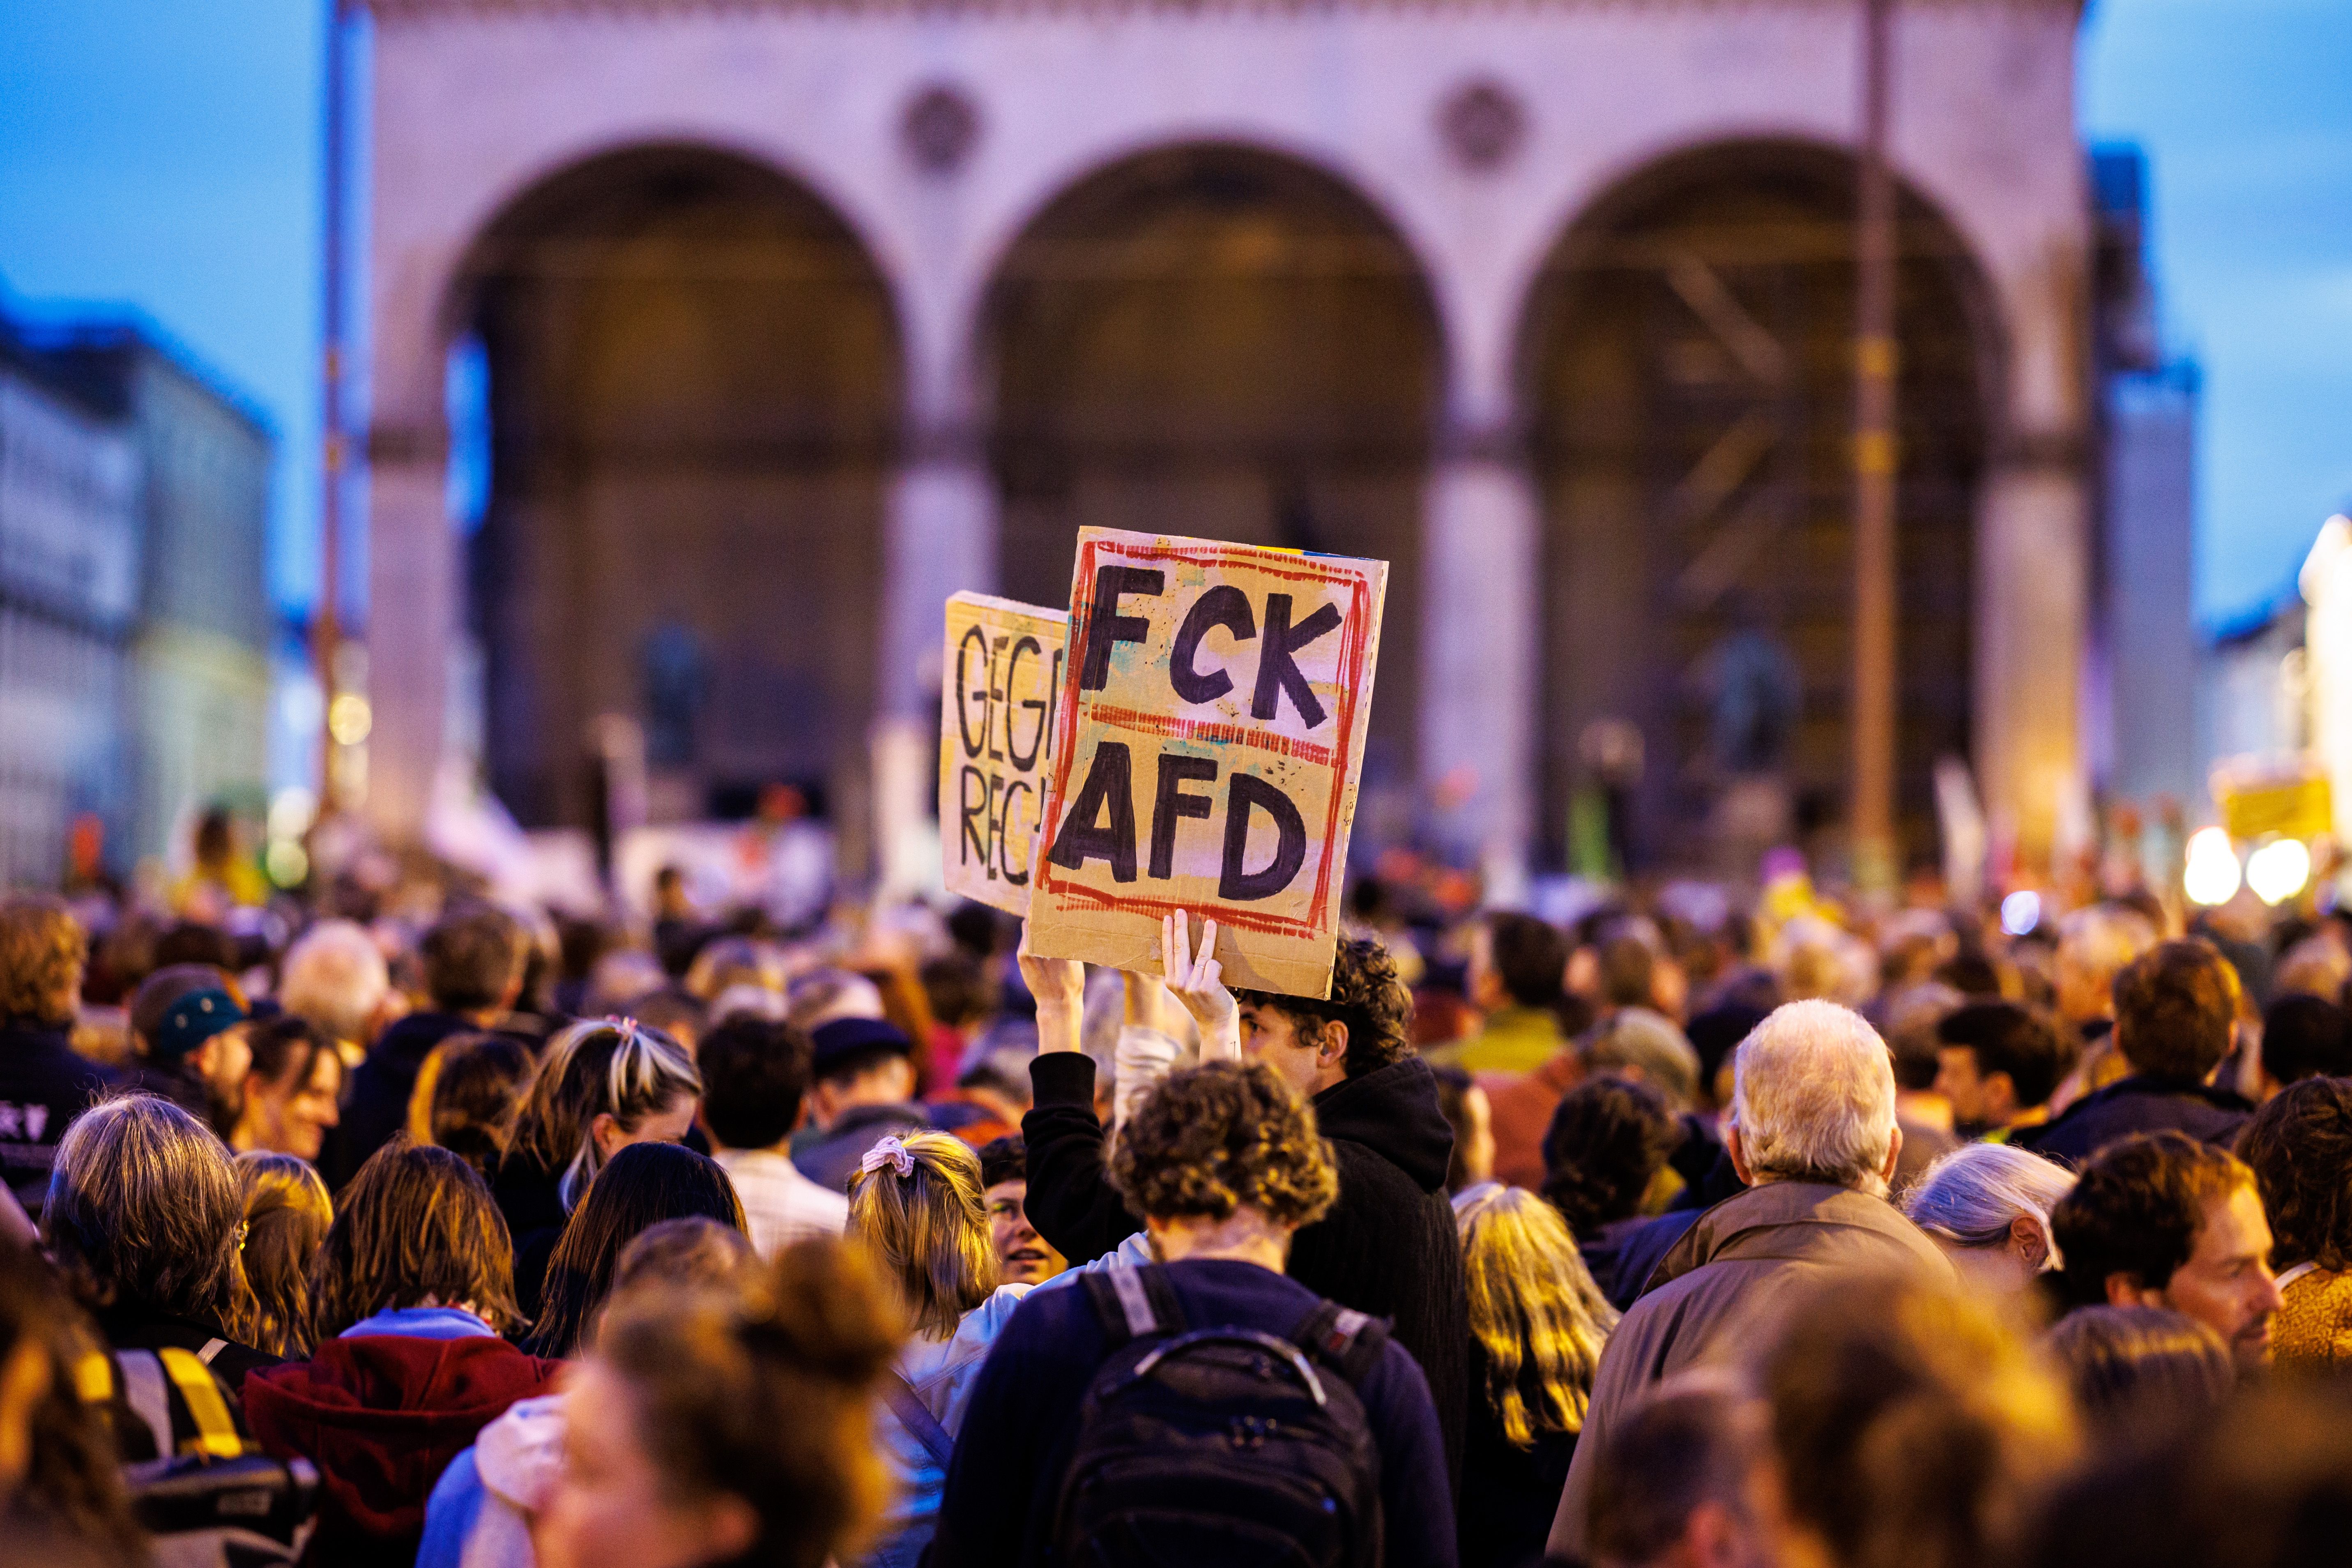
pixel 842 1039
pixel 191 1020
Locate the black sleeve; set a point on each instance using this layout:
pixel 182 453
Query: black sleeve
pixel 1416 1499
pixel 1071 1201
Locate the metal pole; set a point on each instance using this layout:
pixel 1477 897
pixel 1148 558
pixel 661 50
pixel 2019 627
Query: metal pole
pixel 1874 459
pixel 325 631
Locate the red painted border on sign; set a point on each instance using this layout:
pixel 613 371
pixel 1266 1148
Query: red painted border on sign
pixel 1300 569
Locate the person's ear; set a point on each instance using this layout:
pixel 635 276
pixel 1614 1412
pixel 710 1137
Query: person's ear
pixel 2001 1089
pixel 1894 1156
pixel 1731 1146
pixel 2027 1240
pixel 607 1132
pixel 1331 1050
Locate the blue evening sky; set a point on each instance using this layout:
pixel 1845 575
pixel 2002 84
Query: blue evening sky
pixel 165 157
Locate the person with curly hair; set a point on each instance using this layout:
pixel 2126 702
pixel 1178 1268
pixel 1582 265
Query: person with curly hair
pixel 1607 1144
pixel 2300 1147
pixel 1224 1164
pixel 1388 1247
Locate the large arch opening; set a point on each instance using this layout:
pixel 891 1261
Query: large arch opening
pixel 1687 363
pixel 1227 343
pixel 692 397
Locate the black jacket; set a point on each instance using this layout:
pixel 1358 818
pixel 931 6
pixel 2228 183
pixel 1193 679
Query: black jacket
pixel 1508 1493
pixel 131 1327
pixel 1388 1247
pixel 377 1106
pixel 44 1085
pixel 2140 1103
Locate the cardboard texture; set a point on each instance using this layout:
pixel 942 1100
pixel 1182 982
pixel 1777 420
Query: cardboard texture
pixel 996 740
pixel 1208 739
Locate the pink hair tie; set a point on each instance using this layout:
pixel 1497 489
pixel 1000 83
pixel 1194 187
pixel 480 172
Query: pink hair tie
pixel 891 1152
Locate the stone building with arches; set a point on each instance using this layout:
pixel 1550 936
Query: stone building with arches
pixel 800 317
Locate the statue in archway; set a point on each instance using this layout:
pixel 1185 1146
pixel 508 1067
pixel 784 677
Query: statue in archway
pixel 1757 696
pixel 674 677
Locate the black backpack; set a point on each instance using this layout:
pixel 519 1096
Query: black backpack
pixel 1222 1445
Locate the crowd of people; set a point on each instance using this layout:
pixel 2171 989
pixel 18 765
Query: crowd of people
pixel 463 1235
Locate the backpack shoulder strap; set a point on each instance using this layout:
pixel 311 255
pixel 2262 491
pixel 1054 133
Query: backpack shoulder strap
pixel 917 1418
pixel 1134 1303
pixel 1343 1338
pixel 217 1434
pixel 148 1396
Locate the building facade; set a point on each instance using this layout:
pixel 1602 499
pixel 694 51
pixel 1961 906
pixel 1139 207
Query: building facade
pixel 173 565
pixel 69 484
pixel 799 318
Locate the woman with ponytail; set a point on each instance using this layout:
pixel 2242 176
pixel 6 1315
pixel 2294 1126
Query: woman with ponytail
pixel 606 1084
pixel 916 1207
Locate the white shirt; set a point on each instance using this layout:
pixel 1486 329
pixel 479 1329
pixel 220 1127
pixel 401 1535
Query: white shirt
pixel 780 1205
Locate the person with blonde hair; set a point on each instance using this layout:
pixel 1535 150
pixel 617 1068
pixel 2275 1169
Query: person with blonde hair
pixel 42 1079
pixel 604 1085
pixel 1537 1322
pixel 287 1214
pixel 916 1207
pixel 1987 1206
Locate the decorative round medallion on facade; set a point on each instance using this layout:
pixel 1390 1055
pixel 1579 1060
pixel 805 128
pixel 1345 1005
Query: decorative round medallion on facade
pixel 939 128
pixel 1483 124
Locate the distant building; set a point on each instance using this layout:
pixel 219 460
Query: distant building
pixel 2254 687
pixel 184 598
pixel 70 502
pixel 798 318
pixel 2143 672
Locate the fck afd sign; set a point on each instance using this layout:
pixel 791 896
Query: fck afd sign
pixel 1207 742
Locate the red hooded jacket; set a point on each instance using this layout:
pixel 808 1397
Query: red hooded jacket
pixel 382 1416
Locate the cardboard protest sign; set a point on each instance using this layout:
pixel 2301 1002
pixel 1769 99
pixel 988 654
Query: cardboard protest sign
pixel 1207 742
pixel 996 708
